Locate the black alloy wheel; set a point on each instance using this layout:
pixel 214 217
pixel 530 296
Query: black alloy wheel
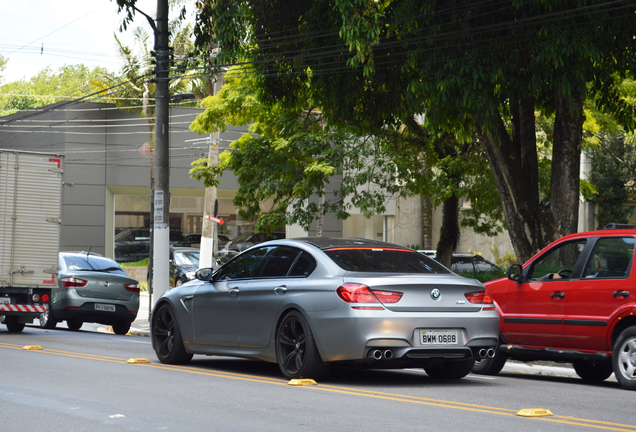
pixel 592 371
pixel 166 337
pixel 451 369
pixel 296 350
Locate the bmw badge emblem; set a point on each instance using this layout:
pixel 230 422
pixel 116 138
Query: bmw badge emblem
pixel 436 294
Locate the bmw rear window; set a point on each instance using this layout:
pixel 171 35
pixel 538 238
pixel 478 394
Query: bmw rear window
pixel 384 260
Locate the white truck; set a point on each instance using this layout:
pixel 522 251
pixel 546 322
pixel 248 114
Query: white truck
pixel 30 218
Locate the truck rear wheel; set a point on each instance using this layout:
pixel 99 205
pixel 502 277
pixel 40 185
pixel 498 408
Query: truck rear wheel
pixel 13 326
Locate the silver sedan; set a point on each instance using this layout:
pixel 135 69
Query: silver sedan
pixel 312 303
pixel 92 288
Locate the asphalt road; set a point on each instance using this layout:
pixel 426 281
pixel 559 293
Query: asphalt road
pixel 83 381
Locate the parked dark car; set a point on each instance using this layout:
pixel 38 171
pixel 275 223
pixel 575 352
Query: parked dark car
pixel 308 304
pixel 92 288
pixel 572 302
pixel 195 240
pixel 468 263
pixel 184 262
pixel 134 244
pixel 247 240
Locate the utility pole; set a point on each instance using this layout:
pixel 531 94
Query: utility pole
pixel 209 234
pixel 161 223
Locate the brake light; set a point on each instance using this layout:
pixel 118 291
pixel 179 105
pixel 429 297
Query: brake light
pixel 479 297
pixel 132 287
pixel 69 282
pixel 388 296
pixel 358 293
pixel 45 298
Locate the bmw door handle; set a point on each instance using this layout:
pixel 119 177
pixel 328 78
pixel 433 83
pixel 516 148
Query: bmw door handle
pixel 557 295
pixel 233 292
pixel 280 290
pixel 621 293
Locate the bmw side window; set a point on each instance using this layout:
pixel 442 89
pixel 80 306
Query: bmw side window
pixel 242 266
pixel 303 266
pixel 610 258
pixel 558 263
pixel 279 261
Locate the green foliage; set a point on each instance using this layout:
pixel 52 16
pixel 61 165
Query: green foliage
pixel 483 276
pixel 142 263
pixel 503 261
pixel 290 157
pixel 48 87
pixel 613 173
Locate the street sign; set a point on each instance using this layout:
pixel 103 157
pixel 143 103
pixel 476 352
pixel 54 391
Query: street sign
pixel 214 219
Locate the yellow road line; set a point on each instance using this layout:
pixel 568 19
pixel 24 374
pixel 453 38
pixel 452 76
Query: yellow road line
pixel 594 424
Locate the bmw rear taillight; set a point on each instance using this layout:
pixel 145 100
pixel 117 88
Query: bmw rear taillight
pixel 479 297
pixel 69 282
pixel 358 293
pixel 132 287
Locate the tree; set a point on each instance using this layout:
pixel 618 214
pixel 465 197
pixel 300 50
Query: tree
pixel 613 174
pixel 49 86
pixel 289 156
pixel 471 68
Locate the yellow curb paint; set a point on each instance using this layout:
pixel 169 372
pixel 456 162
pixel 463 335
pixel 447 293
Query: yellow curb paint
pixel 534 412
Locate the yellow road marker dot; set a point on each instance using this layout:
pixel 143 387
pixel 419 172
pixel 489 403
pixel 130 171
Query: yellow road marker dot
pixel 534 412
pixel 301 382
pixel 32 347
pixel 136 361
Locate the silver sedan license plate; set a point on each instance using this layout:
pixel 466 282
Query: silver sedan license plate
pixel 439 337
pixel 105 307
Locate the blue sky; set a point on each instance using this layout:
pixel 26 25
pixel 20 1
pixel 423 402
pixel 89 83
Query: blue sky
pixel 41 33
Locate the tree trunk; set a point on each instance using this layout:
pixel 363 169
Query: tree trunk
pixel 566 162
pixel 514 162
pixel 427 223
pixel 516 169
pixel 449 232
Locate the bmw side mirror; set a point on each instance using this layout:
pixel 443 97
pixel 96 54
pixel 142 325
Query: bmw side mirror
pixel 515 272
pixel 204 274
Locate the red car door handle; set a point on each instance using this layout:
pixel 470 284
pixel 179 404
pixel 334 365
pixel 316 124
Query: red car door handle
pixel 621 293
pixel 557 295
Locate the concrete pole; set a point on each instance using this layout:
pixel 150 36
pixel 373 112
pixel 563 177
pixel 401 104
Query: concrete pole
pixel 209 229
pixel 161 223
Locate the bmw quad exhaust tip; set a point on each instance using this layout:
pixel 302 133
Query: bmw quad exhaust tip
pixel 379 355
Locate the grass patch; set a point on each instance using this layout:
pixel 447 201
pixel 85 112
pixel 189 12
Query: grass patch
pixel 142 263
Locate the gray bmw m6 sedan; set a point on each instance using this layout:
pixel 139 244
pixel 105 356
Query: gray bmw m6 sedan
pixel 312 303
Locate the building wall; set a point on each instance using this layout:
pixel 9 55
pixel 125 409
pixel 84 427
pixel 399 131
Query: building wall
pixel 102 144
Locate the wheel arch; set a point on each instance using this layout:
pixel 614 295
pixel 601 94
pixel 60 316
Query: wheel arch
pixel 296 308
pixel 622 324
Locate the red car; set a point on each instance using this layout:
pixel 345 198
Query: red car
pixel 575 302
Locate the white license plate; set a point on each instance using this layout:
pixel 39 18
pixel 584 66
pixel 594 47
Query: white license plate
pixel 5 300
pixel 105 307
pixel 439 337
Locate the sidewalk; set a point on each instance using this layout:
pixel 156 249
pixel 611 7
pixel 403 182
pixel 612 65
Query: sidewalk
pixel 141 326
